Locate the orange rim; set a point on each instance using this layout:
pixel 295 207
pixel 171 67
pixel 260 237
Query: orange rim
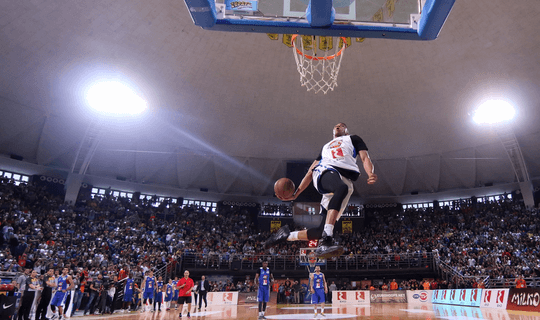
pixel 319 58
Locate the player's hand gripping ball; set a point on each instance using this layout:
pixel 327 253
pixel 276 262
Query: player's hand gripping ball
pixel 284 188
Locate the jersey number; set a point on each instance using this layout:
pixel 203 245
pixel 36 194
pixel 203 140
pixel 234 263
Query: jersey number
pixel 337 153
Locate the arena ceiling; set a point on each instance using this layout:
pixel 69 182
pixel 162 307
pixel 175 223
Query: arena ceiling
pixel 227 112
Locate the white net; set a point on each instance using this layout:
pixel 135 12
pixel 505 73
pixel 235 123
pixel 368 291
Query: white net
pixel 318 60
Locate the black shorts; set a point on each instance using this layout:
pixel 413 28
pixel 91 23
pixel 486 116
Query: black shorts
pixel 182 300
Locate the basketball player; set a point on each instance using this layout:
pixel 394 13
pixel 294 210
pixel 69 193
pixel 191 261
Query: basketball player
pixel 263 279
pixel 318 288
pixel 158 295
pixel 185 286
pixel 149 284
pixel 332 173
pixel 175 293
pixel 169 295
pixel 64 285
pixel 128 292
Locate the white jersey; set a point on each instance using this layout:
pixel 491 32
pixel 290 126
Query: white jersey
pixel 340 152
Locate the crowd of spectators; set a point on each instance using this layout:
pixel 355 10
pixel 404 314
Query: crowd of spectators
pixel 39 231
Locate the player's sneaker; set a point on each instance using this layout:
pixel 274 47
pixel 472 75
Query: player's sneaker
pixel 323 315
pixel 281 235
pixel 326 248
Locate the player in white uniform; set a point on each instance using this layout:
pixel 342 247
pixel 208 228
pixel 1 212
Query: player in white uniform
pixel 332 173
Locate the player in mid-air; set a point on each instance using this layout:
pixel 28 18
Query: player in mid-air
pixel 262 280
pixel 64 285
pixel 332 174
pixel 318 289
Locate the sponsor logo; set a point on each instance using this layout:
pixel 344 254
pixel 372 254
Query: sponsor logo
pixel 526 299
pixel 487 297
pixel 500 296
pixel 228 297
pixel 416 296
pixel 360 295
pixel 7 306
pixel 423 296
pixel 342 295
pixel 462 296
pixel 474 294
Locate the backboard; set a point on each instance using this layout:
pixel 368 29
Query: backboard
pixel 392 19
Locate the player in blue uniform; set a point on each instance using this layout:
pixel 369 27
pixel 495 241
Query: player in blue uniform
pixel 175 292
pixel 263 279
pixel 149 283
pixel 169 294
pixel 318 288
pixel 129 289
pixel 158 295
pixel 64 285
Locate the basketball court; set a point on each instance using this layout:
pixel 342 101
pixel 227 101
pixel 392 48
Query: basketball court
pixel 373 311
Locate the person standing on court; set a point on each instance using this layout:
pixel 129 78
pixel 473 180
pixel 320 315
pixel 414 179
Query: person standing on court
pixel 203 287
pixel 332 174
pixel 262 280
pixel 331 289
pixel 185 286
pixel 31 286
pixel 49 283
pixel 319 289
pixel 63 286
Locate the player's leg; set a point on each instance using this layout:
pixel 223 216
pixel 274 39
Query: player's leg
pixel 336 193
pixel 188 306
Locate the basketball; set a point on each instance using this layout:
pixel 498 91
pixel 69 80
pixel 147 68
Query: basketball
pixel 284 188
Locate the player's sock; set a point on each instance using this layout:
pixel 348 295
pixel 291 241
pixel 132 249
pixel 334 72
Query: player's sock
pixel 329 229
pixel 293 236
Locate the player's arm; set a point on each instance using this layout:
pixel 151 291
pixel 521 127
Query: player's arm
pixel 311 284
pixel 368 166
pixel 271 277
pixel 304 183
pixel 325 286
pixel 51 283
pixel 256 279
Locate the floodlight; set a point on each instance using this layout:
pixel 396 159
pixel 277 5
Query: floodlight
pixel 115 97
pixel 494 111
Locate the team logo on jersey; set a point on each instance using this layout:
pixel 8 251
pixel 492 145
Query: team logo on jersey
pixel 335 144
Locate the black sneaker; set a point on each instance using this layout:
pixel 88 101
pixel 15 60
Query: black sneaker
pixel 281 235
pixel 326 248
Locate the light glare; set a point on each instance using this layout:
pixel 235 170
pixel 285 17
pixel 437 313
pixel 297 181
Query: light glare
pixel 114 97
pixel 494 111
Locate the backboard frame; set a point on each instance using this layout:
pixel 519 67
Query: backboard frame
pixel 212 16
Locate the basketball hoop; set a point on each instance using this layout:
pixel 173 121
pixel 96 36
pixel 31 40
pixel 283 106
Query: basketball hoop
pixel 318 73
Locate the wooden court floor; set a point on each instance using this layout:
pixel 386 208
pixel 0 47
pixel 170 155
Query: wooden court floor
pixel 392 311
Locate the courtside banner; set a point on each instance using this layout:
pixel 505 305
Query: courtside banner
pixel 223 298
pixel 351 297
pixel 392 296
pixel 462 297
pixel 419 296
pixel 525 299
pixel 494 298
pixel 247 297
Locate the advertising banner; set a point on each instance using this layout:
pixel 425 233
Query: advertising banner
pixel 223 298
pixel 391 296
pixel 351 297
pixel 525 299
pixel 494 298
pixel 462 297
pixel 419 296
